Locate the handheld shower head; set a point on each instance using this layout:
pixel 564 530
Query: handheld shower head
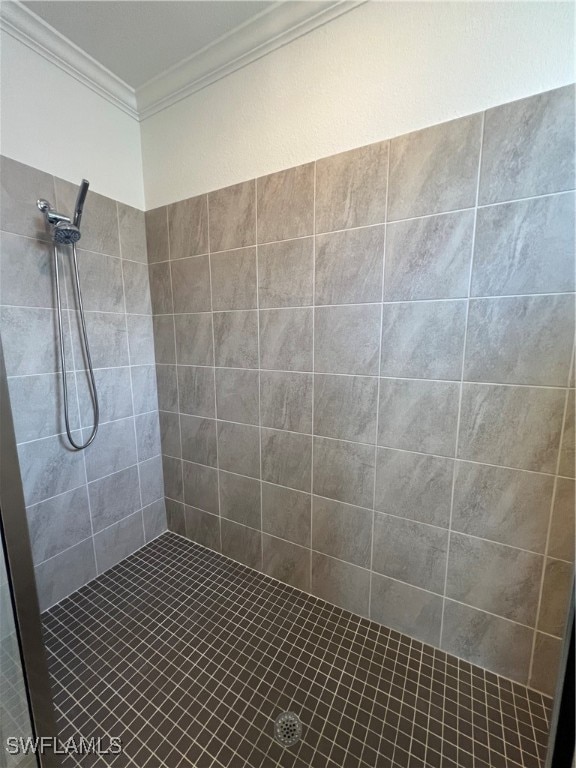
pixel 82 192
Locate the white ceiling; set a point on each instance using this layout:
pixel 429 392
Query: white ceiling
pixel 139 40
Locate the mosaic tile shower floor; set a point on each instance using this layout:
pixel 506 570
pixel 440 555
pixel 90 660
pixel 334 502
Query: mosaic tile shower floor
pixel 189 657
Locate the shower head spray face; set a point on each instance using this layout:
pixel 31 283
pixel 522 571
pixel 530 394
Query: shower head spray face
pixel 65 233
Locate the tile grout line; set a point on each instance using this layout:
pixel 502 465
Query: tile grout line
pixel 377 426
pixel 257 256
pixel 462 369
pixel 213 382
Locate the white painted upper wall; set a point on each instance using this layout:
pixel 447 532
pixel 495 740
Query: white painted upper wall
pixel 51 121
pixel 381 70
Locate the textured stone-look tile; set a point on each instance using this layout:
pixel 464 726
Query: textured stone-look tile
pixel 108 342
pixel 344 471
pixel 414 486
pixel 160 288
pixel 512 426
pixel 114 449
pixel 345 407
pixel 58 523
pixel 170 433
pixel 407 609
pixel 27 271
pixel 547 652
pixel 286 513
pixel 65 573
pixel 99 220
pixel 118 541
pixel 418 415
pixel 504 505
pixel 157 247
pixel 48 468
pixel 152 480
pixel 168 388
pixel 148 435
pixel 236 339
pixel 154 519
pixel 188 227
pixel 114 497
pixel 176 521
pixel 525 247
pixel 528 147
pixel 132 228
pixel 423 340
pixel 201 487
pixel 196 390
pixel 349 266
pixel 202 528
pixel 561 542
pixel 237 396
pixel 435 169
pixel 286 562
pixel 172 469
pixel 286 400
pixel 240 499
pixel 520 340
pixel 286 459
pixel 286 273
pixel 144 388
pixel 101 282
pixel 233 216
pixel 234 279
pixel 239 448
pixel 191 284
pixel 20 187
pixel 489 641
pixel 164 342
pixel 194 344
pixel 136 288
pixel 410 552
pixel 558 580
pixel 286 339
pixel 351 188
pixel 114 395
pixel 242 544
pixel 341 583
pixel 342 531
pixel 347 339
pixel 286 204
pixel 429 258
pixel 198 439
pixel 29 339
pixel 495 578
pixel 567 450
pixel 37 406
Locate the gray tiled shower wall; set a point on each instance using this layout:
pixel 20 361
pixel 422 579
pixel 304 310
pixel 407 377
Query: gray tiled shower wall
pixel 366 385
pixel 86 510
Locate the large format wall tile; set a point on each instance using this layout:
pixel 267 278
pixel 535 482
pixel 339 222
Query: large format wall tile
pixel 408 609
pixel 101 283
pixel 37 406
pixel 286 400
pixel 286 513
pixel 234 279
pixel 242 543
pixel 114 497
pixel 529 147
pixel 137 288
pixel 286 339
pixel 492 642
pixel 423 340
pixel 286 459
pixel 344 471
pixel 118 541
pixel 191 284
pixel 561 544
pixel 435 169
pixel 232 214
pixel 286 562
pixel 156 222
pixel 567 452
pixel 410 552
pixel 345 407
pixel 201 487
pixel 237 396
pixel 285 204
pixel 188 227
pixel 65 573
pixel 198 440
pixel 558 580
pixel 428 258
pixel 160 288
pixel 525 247
pixel 342 531
pixel 132 228
pixel 341 583
pixel 58 524
pixel 240 499
pixel 349 266
pixel 47 470
pixel 351 188
pixel 235 339
pixel 495 578
pixel 286 273
pixel 99 220
pixel 170 433
pixel 418 415
pixel 195 390
pixel 154 520
pixel 114 395
pixel 239 448
pixel 347 339
pixel 194 340
pixel 512 426
pixel 520 340
pixel 115 449
pixel 547 653
pixel 202 528
pixel 27 271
